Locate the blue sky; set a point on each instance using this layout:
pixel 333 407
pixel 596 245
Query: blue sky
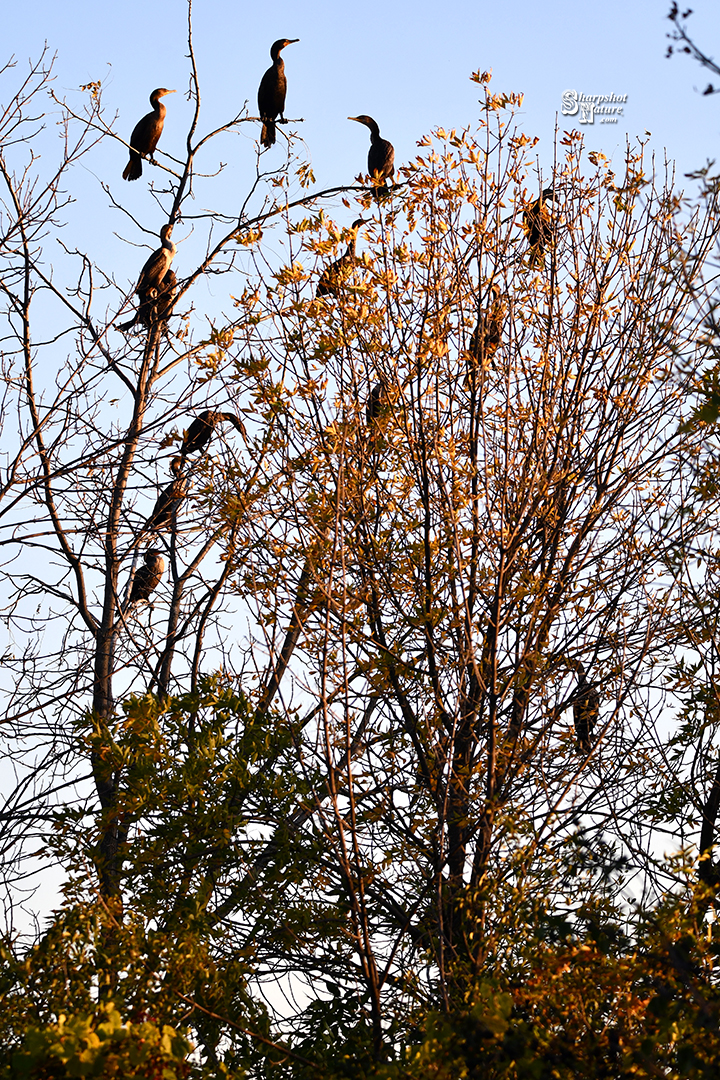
pixel 407 64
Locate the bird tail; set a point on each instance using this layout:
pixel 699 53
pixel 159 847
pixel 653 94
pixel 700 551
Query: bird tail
pixel 267 138
pixel 133 169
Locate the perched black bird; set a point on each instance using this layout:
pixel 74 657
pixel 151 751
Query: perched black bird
pixel 168 500
pixel 156 285
pixel 586 707
pixel 487 334
pixel 200 432
pixel 159 262
pixel 272 91
pixel 373 406
pixel 337 273
pixel 538 225
pixel 381 156
pixel 146 134
pixel 147 578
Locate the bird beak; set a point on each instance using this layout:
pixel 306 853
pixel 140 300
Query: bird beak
pixel 292 40
pixel 353 118
pixel 169 92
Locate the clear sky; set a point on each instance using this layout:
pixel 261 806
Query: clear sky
pixel 405 63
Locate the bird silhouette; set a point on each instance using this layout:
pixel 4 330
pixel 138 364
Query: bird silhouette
pixel 156 285
pixel 538 225
pixel 272 91
pixel 337 273
pixel 373 406
pixel 381 155
pixel 486 336
pixel 169 499
pixel 201 431
pixel 586 708
pixel 147 578
pixel 146 135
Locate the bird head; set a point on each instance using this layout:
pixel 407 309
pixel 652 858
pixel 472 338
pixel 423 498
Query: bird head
pixel 160 92
pixel 176 466
pixel 154 559
pixel 166 242
pixel 279 45
pixel 363 119
pixel 548 193
pixel 356 224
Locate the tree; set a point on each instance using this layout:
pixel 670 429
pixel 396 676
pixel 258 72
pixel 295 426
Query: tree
pixel 685 44
pixel 81 482
pixel 358 841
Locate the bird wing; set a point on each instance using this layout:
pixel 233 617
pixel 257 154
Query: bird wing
pixel 154 270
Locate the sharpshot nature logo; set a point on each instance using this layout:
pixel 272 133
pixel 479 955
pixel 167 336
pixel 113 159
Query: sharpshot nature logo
pixel 607 107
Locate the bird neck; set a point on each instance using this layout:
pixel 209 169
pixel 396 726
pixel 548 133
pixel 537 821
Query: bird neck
pixel 374 132
pixel 169 246
pixel 157 105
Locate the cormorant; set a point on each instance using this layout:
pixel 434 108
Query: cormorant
pixel 381 156
pixel 487 334
pixel 146 134
pixel 373 406
pixel 156 281
pixel 147 578
pixel 337 273
pixel 538 225
pixel 168 500
pixel 200 432
pixel 158 264
pixel 586 707
pixel 272 91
